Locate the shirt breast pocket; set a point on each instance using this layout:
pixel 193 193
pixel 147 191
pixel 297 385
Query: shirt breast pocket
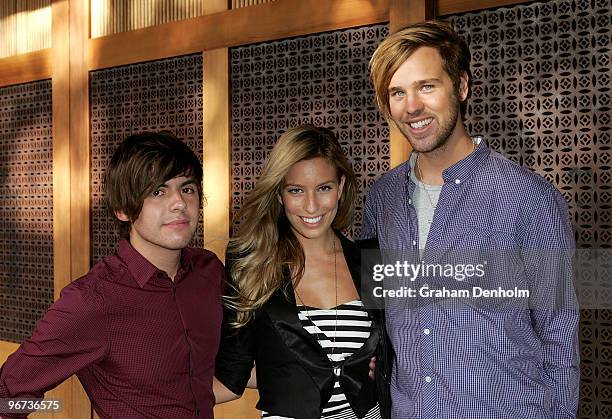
pixel 487 239
pixel 501 283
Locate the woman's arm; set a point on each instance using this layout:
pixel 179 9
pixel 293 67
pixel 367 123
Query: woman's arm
pixel 236 355
pixel 222 393
pixel 253 380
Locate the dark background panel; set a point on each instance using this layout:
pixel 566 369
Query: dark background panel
pixel 321 79
pixel 164 95
pixel 541 96
pixel 26 207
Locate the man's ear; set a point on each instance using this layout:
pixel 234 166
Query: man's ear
pixel 121 216
pixel 462 94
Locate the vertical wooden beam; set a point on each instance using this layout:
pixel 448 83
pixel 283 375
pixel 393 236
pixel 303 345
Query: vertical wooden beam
pixel 217 142
pixel 402 13
pixel 79 166
pixel 217 177
pixel 216 159
pixel 217 183
pixel 405 12
pixel 79 139
pixel 70 114
pixel 60 86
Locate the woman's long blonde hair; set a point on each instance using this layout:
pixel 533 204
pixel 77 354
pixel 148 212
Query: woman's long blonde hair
pixel 264 246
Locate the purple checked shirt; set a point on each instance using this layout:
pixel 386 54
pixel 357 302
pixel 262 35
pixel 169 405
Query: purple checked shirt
pixel 463 357
pixel 142 345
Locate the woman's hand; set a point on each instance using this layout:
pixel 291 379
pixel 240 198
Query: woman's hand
pixel 372 366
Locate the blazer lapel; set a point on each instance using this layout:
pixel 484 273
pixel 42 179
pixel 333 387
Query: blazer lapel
pixel 282 311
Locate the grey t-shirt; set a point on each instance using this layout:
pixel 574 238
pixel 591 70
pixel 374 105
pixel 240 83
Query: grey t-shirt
pixel 424 200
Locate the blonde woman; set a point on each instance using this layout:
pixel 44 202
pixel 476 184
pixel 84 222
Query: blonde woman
pixel 295 309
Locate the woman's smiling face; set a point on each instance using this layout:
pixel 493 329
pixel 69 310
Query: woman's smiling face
pixel 310 196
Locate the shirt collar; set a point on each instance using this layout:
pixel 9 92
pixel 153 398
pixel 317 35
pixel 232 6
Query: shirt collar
pixel 186 260
pixel 141 269
pixel 464 168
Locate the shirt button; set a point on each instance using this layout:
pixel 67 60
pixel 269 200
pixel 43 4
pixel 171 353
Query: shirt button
pixel 414 242
pixel 426 331
pixel 410 201
pixel 428 379
pixel 457 181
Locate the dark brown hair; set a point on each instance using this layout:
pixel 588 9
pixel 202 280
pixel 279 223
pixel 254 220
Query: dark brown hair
pixel 140 164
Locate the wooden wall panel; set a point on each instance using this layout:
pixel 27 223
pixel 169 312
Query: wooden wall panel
pixel 216 151
pixel 447 7
pixel 217 182
pixel 246 3
pixel 6 348
pixel 70 207
pixel 25 26
pixel 113 16
pixel 79 139
pixel 276 20
pixel 24 68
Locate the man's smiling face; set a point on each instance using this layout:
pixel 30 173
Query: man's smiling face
pixel 423 102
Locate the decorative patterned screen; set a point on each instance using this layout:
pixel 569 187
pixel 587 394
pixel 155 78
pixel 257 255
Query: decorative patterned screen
pixel 320 79
pixel 154 96
pixel 541 96
pixel 26 208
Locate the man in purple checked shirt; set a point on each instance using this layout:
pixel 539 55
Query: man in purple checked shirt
pixel 458 353
pixel 141 329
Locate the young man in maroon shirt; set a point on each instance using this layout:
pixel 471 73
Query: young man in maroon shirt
pixel 141 329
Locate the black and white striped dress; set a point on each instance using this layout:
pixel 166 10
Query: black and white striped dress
pixel 351 332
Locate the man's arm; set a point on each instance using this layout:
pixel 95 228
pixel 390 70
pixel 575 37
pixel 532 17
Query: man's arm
pixel 68 338
pixel 547 254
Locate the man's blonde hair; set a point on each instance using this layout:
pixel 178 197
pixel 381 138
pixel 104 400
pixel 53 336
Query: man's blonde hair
pixel 399 46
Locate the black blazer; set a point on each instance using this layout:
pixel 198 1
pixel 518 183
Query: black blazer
pixel 294 375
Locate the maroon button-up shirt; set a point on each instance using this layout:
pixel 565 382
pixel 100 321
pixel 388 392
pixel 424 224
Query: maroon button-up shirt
pixel 141 345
